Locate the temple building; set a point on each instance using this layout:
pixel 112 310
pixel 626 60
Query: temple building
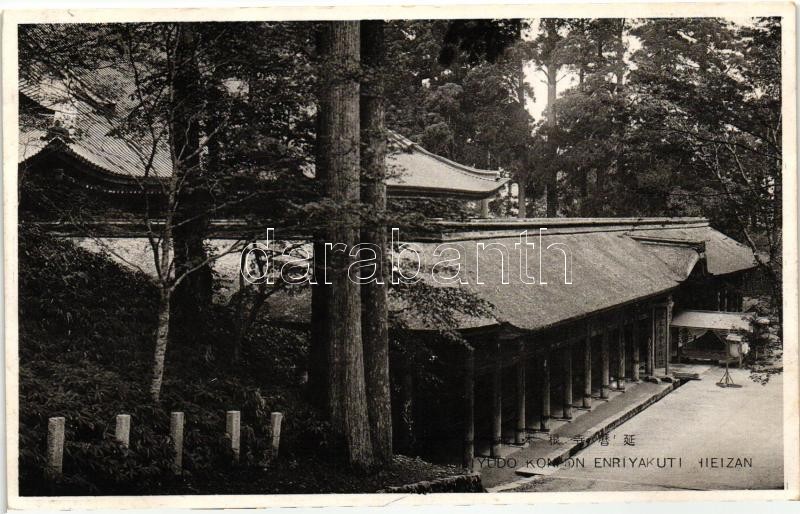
pixel 591 305
pixel 68 141
pixel 605 302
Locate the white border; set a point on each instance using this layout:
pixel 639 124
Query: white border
pixel 790 261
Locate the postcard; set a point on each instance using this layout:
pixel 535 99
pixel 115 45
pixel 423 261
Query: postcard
pixel 320 256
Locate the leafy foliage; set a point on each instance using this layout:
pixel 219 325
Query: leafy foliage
pixel 86 341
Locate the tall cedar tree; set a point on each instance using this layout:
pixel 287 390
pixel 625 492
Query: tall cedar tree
pixel 478 41
pixel 185 152
pixel 374 297
pixel 191 302
pixel 549 59
pixel 340 125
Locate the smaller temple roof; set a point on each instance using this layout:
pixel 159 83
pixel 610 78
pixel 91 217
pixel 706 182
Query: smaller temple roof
pixel 90 136
pixel 713 320
pixel 411 170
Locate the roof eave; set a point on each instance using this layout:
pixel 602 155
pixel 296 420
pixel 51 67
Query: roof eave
pixel 398 191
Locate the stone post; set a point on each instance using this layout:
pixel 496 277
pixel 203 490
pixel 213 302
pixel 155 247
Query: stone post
pixel 233 427
pixel 55 447
pixel 122 432
pixel 176 436
pixel 276 418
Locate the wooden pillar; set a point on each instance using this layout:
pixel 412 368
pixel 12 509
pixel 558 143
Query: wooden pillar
pixel 621 355
pixel 520 436
pixel 587 368
pixel 485 208
pixel 568 381
pixel 667 323
pixel 605 364
pixel 497 401
pixel 649 365
pixel 544 423
pixel 740 295
pixel 469 408
pixel 635 347
pixel 531 391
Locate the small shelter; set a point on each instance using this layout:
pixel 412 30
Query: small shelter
pixel 708 335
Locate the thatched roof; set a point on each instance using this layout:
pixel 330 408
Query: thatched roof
pixel 614 262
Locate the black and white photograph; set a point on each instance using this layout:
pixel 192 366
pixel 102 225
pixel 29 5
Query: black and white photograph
pixel 326 253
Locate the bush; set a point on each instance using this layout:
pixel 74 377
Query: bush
pixel 87 330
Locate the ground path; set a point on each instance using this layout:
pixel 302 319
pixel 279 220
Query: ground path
pixel 697 420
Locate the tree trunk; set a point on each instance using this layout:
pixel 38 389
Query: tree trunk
pixel 619 90
pixel 191 301
pixel 374 321
pixel 162 338
pixel 319 378
pixel 348 391
pixel 522 173
pixel 319 369
pixel 552 175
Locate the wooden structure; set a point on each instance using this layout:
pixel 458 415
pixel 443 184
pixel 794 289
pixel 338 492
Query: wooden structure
pixel 596 316
pixel 613 319
pixel 67 145
pixel 597 313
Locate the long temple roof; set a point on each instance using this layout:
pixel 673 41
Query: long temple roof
pixel 614 262
pixel 412 170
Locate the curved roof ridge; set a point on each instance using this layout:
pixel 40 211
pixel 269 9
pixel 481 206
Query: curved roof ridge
pixel 406 143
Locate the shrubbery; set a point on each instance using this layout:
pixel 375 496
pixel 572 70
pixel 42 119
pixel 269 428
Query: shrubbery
pixel 86 343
